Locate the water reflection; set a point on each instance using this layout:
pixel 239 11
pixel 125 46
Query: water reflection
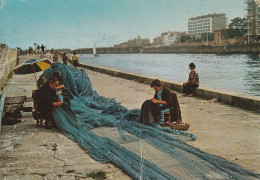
pixel 253 74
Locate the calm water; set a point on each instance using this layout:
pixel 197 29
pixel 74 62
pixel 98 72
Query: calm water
pixel 237 73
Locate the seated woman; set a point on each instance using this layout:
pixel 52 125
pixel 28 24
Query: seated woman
pixel 49 99
pixel 163 99
pixel 58 75
pixel 192 83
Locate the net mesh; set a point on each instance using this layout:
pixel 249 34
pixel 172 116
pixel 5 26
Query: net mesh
pixel 112 134
pixel 2 4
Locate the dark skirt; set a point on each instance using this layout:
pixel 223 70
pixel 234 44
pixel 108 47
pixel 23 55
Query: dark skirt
pixel 189 88
pixel 150 113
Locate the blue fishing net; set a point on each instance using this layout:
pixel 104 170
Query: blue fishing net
pixel 87 111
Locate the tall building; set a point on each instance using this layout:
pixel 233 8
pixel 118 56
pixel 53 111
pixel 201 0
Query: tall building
pixel 206 24
pixel 252 26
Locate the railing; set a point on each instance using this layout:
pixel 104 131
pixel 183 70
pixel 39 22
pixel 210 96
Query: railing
pixel 2 103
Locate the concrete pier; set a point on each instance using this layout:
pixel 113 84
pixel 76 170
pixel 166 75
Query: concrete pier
pixel 28 152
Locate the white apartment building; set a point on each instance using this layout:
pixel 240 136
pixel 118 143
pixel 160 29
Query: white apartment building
pixel 206 24
pixel 252 26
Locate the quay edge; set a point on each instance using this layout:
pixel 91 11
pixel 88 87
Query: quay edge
pixel 231 98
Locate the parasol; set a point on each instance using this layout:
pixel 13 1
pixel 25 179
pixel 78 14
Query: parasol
pixel 32 66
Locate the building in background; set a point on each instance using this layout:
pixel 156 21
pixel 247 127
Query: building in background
pixel 252 26
pixel 167 38
pixel 206 24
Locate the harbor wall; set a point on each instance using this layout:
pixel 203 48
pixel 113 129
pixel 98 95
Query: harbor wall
pixel 8 61
pixel 109 50
pixel 226 97
pixel 185 48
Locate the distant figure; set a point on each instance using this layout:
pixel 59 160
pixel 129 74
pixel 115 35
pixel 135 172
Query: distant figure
pixel 64 58
pixel 45 48
pixel 52 51
pixel 42 47
pixel 38 49
pixel 75 60
pixel 192 83
pixel 55 57
pixel 29 51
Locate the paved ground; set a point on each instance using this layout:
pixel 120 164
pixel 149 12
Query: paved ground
pixel 29 153
pixel 222 130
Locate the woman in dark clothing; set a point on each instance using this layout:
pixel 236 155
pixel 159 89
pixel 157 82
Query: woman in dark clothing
pixel 48 99
pixel 192 83
pixel 163 99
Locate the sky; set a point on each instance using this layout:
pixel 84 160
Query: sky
pixel 79 23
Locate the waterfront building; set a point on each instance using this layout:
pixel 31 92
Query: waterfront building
pixel 206 24
pixel 158 41
pixel 220 37
pixel 167 38
pixel 252 25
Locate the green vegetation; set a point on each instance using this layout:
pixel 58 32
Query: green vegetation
pixel 186 38
pixel 210 36
pixel 100 175
pixel 237 23
pixel 236 28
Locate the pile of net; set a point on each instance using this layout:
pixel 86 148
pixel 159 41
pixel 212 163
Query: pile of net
pixel 112 134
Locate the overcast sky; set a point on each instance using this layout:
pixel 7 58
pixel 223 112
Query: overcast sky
pixel 79 23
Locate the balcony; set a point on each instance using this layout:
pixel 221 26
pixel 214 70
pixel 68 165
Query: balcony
pixel 250 20
pixel 248 1
pixel 249 15
pixel 246 28
pixel 249 8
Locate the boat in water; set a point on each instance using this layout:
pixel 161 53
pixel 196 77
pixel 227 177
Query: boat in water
pixel 95 51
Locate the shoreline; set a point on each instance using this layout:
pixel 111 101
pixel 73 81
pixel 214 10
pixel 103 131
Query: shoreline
pixel 230 98
pixel 172 49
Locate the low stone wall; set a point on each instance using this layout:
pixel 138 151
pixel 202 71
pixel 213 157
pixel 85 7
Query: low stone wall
pixel 203 49
pixel 183 48
pixel 227 97
pixel 8 61
pixel 109 50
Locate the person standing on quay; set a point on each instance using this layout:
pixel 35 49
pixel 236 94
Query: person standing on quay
pixel 42 47
pixel 38 49
pixel 192 83
pixel 55 57
pixel 29 51
pixel 64 58
pixel 75 60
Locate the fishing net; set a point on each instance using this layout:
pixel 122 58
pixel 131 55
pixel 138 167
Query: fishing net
pixel 112 134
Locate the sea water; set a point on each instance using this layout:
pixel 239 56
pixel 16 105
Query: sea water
pixel 237 73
